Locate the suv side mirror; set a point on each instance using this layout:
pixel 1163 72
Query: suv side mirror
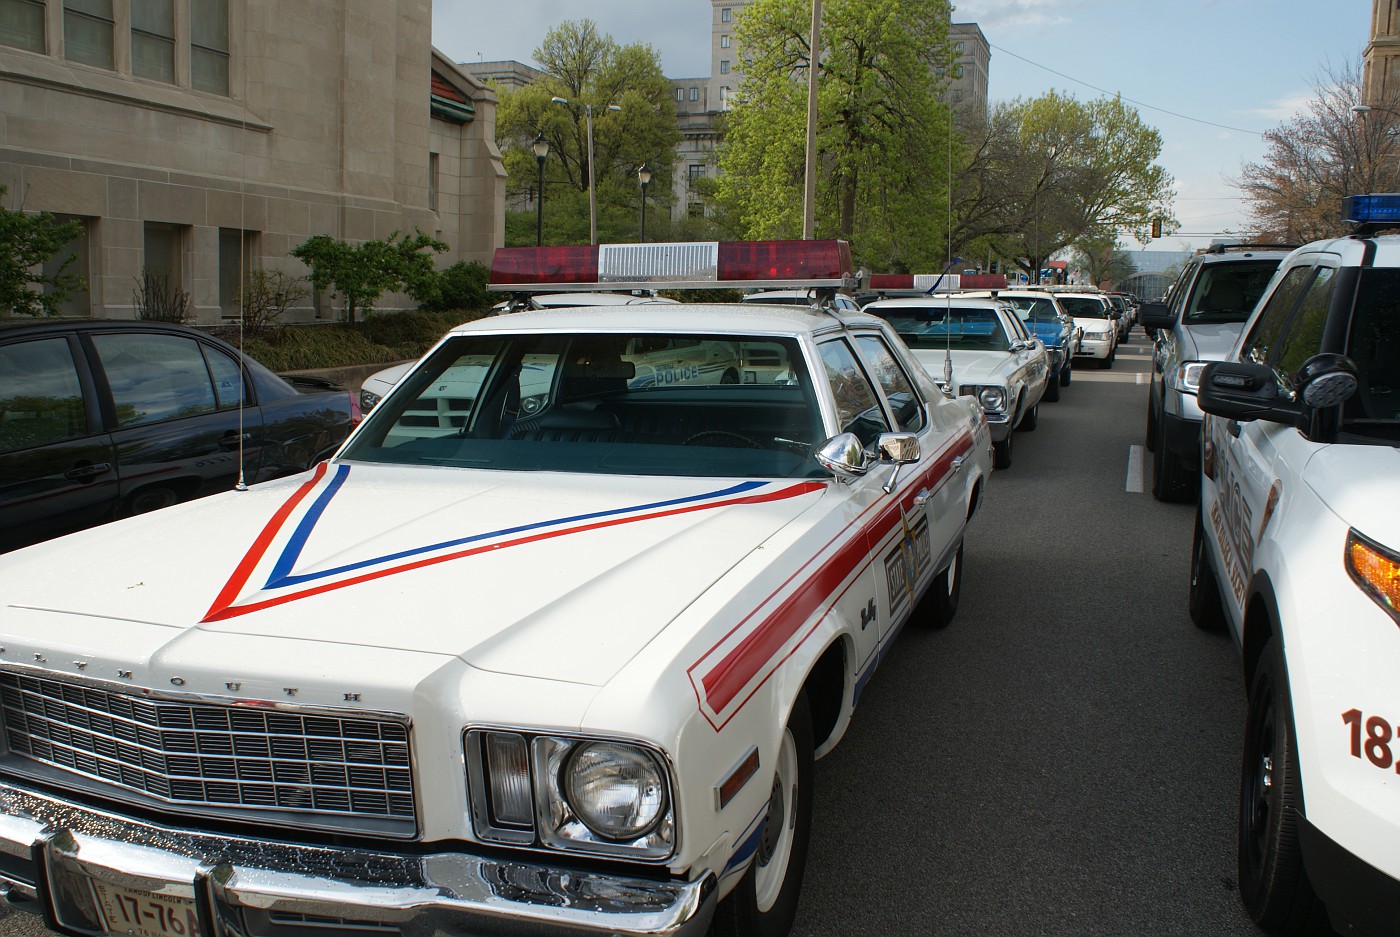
pixel 1244 391
pixel 1156 316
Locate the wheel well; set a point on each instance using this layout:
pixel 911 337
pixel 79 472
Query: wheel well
pixel 975 500
pixel 826 691
pixel 1258 629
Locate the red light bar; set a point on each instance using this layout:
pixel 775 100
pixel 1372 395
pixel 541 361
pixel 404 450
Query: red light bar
pixel 699 265
pixel 784 260
pixel 892 281
pixel 528 266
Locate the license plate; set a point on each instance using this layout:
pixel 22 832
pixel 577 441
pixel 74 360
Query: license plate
pixel 146 914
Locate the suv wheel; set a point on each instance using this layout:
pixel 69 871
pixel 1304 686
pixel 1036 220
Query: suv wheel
pixel 1171 482
pixel 1274 885
pixel 1052 387
pixel 1203 603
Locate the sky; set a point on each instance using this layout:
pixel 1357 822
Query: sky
pixel 1210 75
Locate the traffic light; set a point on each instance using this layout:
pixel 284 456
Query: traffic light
pixel 1156 227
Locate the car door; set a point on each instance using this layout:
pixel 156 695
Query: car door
pixel 1252 463
pixel 178 432
pixel 57 466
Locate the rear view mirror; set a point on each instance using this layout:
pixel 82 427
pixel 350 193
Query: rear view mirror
pixel 1246 392
pixel 1156 316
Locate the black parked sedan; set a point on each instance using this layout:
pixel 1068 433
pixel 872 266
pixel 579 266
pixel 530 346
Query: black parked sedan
pixel 105 419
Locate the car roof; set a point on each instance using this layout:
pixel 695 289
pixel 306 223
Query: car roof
pixel 713 318
pixel 13 324
pixel 938 299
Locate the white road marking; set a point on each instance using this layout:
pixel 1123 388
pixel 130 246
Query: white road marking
pixel 1135 468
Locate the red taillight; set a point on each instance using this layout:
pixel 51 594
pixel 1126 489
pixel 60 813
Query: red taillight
pixel 541 265
pixel 355 414
pixel 784 260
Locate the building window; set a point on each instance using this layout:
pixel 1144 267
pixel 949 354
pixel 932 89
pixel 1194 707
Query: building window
pixel 694 94
pixel 680 94
pixel 235 268
pixel 958 46
pixel 433 169
pixel 724 66
pixel 153 39
pixel 209 46
pixel 724 42
pixel 164 252
pixel 697 171
pixel 695 209
pixel 22 24
pixel 724 15
pixel 88 29
pixel 957 71
pixel 78 302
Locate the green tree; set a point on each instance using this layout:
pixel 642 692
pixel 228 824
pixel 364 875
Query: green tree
pixel 27 242
pixel 362 272
pixel 1053 170
pixel 587 68
pixel 884 137
pixel 1106 264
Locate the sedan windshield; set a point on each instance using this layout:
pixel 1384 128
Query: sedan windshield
pixel 936 326
pixel 648 404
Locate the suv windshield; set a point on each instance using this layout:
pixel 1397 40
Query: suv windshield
pixel 1374 346
pixel 1084 307
pixel 942 326
pixel 1227 292
pixel 649 404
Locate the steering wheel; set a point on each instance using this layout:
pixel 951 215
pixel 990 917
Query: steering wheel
pixel 722 436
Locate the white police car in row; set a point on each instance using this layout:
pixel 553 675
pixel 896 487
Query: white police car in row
pixel 1297 551
pixel 978 347
pixel 552 672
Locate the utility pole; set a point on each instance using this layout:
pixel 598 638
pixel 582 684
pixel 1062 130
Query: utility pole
pixel 809 195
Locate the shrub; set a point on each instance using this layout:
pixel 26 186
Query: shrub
pixel 27 242
pixel 155 299
pixel 460 286
pixel 267 295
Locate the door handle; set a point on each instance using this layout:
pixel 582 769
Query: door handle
pixel 958 462
pixel 922 497
pixel 79 473
pixel 232 440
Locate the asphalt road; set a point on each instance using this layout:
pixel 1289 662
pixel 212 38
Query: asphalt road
pixel 1063 758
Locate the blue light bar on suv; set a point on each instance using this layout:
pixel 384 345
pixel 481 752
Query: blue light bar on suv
pixel 1371 209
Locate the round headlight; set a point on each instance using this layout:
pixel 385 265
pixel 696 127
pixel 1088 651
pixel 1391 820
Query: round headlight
pixel 617 791
pixel 992 398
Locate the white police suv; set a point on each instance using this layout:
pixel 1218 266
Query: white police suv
pixel 548 647
pixel 1297 551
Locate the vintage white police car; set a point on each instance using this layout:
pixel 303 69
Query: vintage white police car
pixel 556 672
pixel 1297 550
pixel 983 344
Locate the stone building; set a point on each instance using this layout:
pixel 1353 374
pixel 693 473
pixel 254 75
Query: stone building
pixel 201 139
pixel 1381 60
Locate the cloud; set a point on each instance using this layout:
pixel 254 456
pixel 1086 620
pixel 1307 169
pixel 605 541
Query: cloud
pixel 1283 108
pixel 1014 15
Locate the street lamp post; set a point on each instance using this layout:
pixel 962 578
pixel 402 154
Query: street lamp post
pixel 592 193
pixel 541 149
pixel 644 177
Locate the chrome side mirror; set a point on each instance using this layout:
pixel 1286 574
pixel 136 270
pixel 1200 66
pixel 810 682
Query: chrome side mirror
pixel 844 456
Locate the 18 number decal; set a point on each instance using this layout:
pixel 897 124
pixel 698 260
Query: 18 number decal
pixel 1370 738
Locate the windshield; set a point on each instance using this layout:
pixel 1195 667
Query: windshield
pixel 936 326
pixel 1035 310
pixel 648 404
pixel 1374 346
pixel 1227 292
pixel 1084 307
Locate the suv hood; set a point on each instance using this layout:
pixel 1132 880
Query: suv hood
pixel 1367 501
pixel 1210 341
pixel 549 575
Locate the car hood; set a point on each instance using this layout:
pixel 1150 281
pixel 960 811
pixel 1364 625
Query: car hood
pixel 538 574
pixel 1367 500
pixel 381 382
pixel 1094 325
pixel 969 367
pixel 1210 341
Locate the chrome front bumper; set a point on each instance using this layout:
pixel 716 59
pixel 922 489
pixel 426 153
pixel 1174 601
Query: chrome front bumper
pixel 53 856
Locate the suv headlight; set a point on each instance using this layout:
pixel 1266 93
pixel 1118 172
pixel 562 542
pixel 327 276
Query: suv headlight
pixel 603 797
pixel 1186 377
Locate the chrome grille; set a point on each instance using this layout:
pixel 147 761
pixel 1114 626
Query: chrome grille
pixel 207 755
